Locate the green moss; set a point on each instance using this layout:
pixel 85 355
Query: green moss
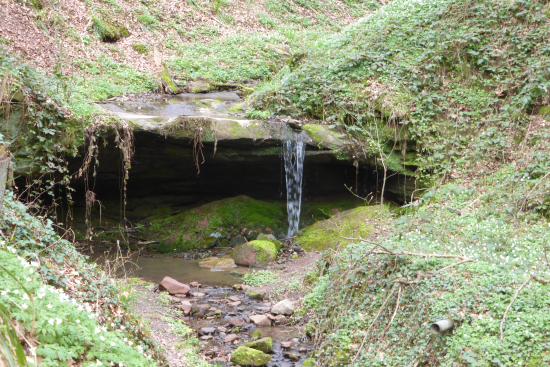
pixel 320 210
pixel 329 233
pixel 107 31
pixel 140 48
pixel 264 250
pixel 167 80
pixel 255 295
pixel 323 136
pixel 229 217
pixel 257 334
pixel 264 345
pixel 544 111
pixel 237 107
pixel 244 356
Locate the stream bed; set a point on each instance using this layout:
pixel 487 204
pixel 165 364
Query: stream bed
pixel 217 305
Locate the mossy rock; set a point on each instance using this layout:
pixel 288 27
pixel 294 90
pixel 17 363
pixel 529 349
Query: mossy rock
pixel 244 356
pixel 217 263
pixel 257 334
pixel 230 217
pixel 254 253
pixel 544 111
pixel 270 238
pixel 329 233
pixel 323 136
pixel 264 345
pixel 256 295
pixel 167 82
pixel 108 31
pixel 140 48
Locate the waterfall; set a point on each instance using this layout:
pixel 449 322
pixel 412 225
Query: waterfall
pixel 294 154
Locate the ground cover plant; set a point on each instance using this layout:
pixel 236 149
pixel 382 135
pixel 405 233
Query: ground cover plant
pixel 59 307
pixel 417 80
pixel 452 256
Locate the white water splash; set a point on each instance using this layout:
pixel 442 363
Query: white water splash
pixel 294 154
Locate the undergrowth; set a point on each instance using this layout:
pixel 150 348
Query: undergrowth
pixel 62 307
pixel 425 77
pixel 260 277
pixel 456 254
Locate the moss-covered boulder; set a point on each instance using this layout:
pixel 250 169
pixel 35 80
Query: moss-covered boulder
pixel 244 356
pixel 108 31
pixel 254 253
pixel 323 136
pixel 140 48
pixel 215 224
pixel 330 233
pixel 198 87
pixel 264 345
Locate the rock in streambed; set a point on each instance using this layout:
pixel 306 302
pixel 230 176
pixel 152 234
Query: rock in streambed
pixel 254 253
pixel 244 356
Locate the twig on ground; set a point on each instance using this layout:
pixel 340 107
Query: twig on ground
pixel 531 277
pixel 510 305
pixel 396 308
pixel 374 322
pixel 522 208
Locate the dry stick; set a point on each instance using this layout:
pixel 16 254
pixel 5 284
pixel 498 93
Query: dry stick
pixel 374 322
pixel 396 308
pixel 530 192
pixel 531 277
pixel 510 305
pixel 455 264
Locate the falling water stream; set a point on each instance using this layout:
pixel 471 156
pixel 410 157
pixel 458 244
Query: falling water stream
pixel 294 154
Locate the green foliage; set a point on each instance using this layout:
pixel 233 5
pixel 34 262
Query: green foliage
pixel 266 21
pixel 145 17
pixel 218 5
pixel 430 69
pixel 49 129
pixel 258 114
pixel 260 277
pixel 60 300
pixel 470 222
pixel 140 48
pixel 107 31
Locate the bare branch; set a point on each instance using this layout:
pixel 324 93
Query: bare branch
pixel 374 321
pixel 455 264
pixel 396 308
pixel 510 305
pixel 522 208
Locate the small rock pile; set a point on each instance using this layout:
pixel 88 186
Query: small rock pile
pixel 228 325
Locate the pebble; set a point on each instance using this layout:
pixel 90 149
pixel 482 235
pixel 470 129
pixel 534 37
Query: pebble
pixel 208 330
pixel 292 356
pixel 231 338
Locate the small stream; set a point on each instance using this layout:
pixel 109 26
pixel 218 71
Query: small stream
pixel 216 288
